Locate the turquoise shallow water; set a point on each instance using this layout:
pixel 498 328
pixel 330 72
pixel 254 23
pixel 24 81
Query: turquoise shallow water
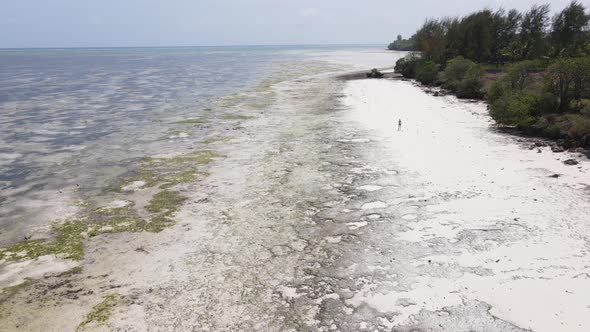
pixel 72 117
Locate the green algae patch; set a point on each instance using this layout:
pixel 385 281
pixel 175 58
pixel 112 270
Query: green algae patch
pixel 192 121
pixel 237 117
pixel 117 224
pixel 69 235
pixel 216 140
pixel 130 224
pixel 198 157
pixel 67 241
pixel 124 219
pixel 165 203
pixel 66 244
pixel 168 172
pixel 184 177
pixel 101 312
pixel 109 211
pixel 82 203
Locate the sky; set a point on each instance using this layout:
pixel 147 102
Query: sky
pixel 128 23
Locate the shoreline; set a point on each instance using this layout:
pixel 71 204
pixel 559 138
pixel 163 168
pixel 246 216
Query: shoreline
pixel 479 218
pixel 558 145
pixel 94 274
pixel 320 214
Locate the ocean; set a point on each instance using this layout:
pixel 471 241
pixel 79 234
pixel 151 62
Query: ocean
pixel 73 120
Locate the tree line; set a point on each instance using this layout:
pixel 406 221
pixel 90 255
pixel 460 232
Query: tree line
pixel 532 69
pixel 502 36
pixel 401 44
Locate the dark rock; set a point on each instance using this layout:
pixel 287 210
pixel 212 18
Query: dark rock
pixel 557 148
pixel 375 73
pixel 571 162
pixel 563 143
pixel 555 176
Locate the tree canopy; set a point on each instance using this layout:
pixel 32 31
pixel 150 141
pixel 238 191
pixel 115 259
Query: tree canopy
pixel 500 36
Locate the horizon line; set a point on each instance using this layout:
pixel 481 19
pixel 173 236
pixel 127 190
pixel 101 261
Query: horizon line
pixel 181 46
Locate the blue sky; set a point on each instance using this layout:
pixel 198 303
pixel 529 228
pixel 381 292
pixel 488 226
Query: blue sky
pixel 100 23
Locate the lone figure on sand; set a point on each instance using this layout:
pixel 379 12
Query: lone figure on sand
pixel 399 125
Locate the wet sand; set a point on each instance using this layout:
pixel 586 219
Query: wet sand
pixel 321 216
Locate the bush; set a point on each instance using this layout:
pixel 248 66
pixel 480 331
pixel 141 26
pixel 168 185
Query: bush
pixel 547 104
pixel 516 79
pixel 514 109
pixel 582 78
pixel 496 91
pixel 457 68
pixel 580 125
pixel 464 77
pixel 552 131
pixel 560 77
pixel 470 88
pixel 375 73
pixel 517 74
pixel 583 106
pixel 427 72
pixel 407 66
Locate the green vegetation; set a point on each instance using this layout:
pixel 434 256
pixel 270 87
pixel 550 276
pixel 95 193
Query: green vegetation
pixel 569 79
pixel 375 73
pixel 237 117
pixel 107 210
pixel 408 65
pixel 514 109
pixel 523 94
pixel 101 312
pixel 569 35
pixel 168 172
pixel 503 36
pixel 464 77
pixel 66 244
pixel 461 76
pixel 164 204
pixel 192 121
pixel 68 236
pixel 401 44
pixel 580 125
pixel 216 140
pixel 427 72
pixel 533 70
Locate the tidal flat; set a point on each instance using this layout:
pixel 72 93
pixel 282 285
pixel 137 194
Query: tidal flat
pixel 299 206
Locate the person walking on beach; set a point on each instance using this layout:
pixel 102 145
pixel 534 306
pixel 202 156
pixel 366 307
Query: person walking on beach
pixel 399 125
